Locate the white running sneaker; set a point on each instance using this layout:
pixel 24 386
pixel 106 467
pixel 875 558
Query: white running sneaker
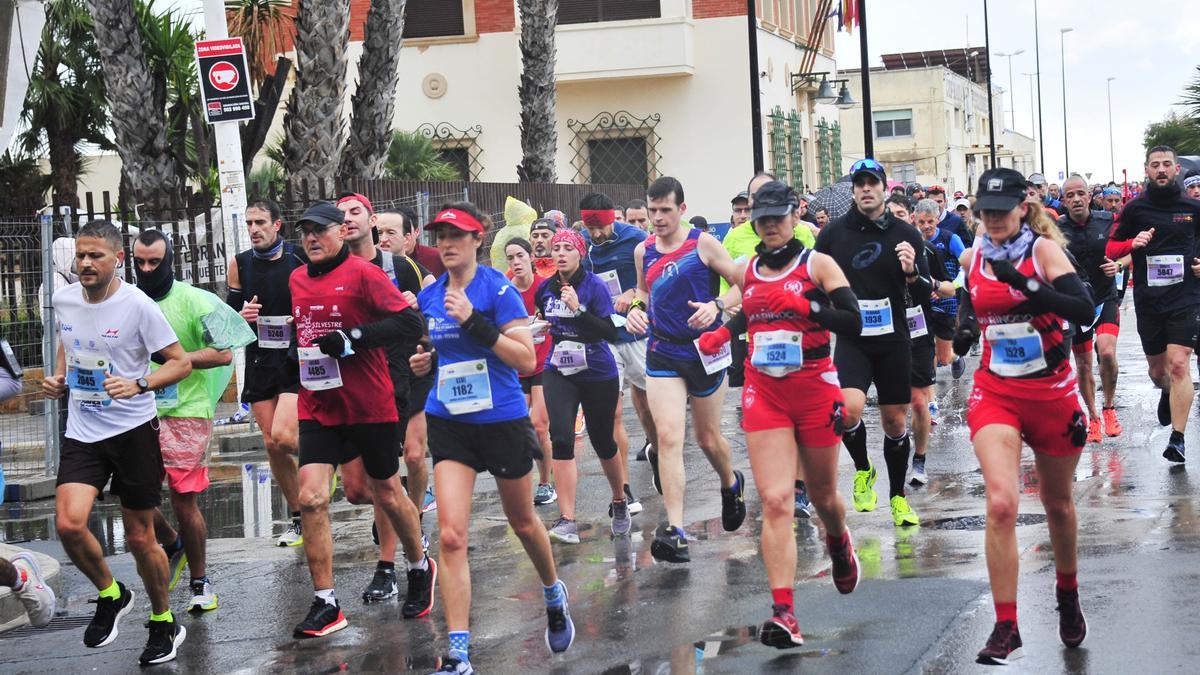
pixel 291 536
pixel 203 597
pixel 37 597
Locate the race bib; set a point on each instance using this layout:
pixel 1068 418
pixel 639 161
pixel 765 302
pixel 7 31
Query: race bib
pixel 876 317
pixel 916 322
pixel 1016 349
pixel 464 387
pixel 167 397
pixel 318 371
pixel 85 378
pixel 778 352
pixel 1164 270
pixel 569 357
pixel 715 362
pixel 610 279
pixel 274 332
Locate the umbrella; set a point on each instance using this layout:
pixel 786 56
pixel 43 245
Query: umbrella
pixel 836 198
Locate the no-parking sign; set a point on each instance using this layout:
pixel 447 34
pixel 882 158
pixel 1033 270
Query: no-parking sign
pixel 224 80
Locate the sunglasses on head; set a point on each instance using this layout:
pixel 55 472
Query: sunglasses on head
pixel 866 165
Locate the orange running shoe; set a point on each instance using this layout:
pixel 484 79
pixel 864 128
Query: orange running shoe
pixel 1112 427
pixel 1094 431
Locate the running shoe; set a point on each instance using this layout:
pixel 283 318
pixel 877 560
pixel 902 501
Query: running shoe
pixel 375 533
pixel 621 521
pixel 803 508
pixel 430 502
pixel 454 666
pixel 565 530
pixel 418 599
pixel 177 562
pixel 1164 408
pixel 958 367
pixel 845 566
pixel 635 507
pixel 383 585
pixel 865 498
pixel 733 503
pixel 644 452
pixel 291 536
pixel 1003 646
pixel 1093 435
pixel 933 413
pixel 918 475
pixel 103 629
pixel 652 457
pixel 545 494
pixel 164 641
pixel 424 543
pixel 560 630
pixel 1112 426
pixel 1072 626
pixel 781 631
pixel 902 513
pixel 203 597
pixel 37 597
pixel 1174 452
pixel 670 545
pixel 323 619
pixel 580 423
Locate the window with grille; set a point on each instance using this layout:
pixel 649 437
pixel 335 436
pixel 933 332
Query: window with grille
pixel 433 18
pixel 460 159
pixel 893 123
pixel 591 11
pixel 904 173
pixel 615 148
pixel 618 161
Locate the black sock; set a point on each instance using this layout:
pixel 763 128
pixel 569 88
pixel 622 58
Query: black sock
pixel 895 455
pixel 855 440
pixel 385 565
pixel 799 485
pixel 1176 436
pixel 295 515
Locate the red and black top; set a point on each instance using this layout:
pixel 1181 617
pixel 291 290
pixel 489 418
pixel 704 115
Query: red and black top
pixel 795 280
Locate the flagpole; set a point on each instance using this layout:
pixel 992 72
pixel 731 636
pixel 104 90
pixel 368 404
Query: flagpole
pixel 865 70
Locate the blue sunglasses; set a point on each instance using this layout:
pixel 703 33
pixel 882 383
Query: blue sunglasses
pixel 867 164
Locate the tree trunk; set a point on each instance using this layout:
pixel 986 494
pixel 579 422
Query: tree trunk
pixel 65 163
pixel 140 129
pixel 313 124
pixel 539 137
pixel 374 100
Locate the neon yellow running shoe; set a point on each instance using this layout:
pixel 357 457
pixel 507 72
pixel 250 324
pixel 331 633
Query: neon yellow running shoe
pixel 902 513
pixel 865 498
pixel 178 564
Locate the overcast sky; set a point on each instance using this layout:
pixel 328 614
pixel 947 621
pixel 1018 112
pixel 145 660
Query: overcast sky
pixel 1151 51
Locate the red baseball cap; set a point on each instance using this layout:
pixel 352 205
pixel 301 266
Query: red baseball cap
pixel 460 219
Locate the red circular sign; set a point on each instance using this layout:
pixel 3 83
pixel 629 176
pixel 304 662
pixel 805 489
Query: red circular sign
pixel 223 76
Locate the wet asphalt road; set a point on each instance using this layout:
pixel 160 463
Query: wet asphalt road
pixel 922 606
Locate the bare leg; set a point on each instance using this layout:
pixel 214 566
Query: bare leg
pixel 8 573
pixel 72 505
pixel 1087 382
pixel 670 415
pixel 541 426
pixel 641 406
pixel 456 484
pixel 415 441
pixel 773 456
pixel 514 496
pixel 194 531
pixel 150 557
pixel 402 514
pixel 1055 478
pixel 922 421
pixel 314 513
pixel 998 448
pixel 566 478
pixel 706 420
pixel 1179 368
pixel 1106 353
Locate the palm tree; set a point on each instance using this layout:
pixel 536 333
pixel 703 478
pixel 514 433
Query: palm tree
pixel 313 125
pixel 65 106
pixel 264 26
pixel 539 137
pixel 412 156
pixel 374 99
pixel 140 130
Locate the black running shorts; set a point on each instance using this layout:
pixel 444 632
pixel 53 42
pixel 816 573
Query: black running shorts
pixel 886 364
pixel 503 449
pixel 375 443
pixel 263 383
pixel 699 383
pixel 132 459
pixel 1157 330
pixel 924 371
pixel 942 324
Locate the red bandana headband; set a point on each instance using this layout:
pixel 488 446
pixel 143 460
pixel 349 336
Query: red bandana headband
pixel 599 217
pixel 571 237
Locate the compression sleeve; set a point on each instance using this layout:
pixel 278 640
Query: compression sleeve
pixel 968 325
pixel 841 316
pixel 235 299
pixel 738 324
pixel 921 287
pixel 594 328
pixel 1067 297
pixel 406 326
pixel 1116 249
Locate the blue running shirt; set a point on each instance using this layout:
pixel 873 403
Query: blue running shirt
pixel 674 279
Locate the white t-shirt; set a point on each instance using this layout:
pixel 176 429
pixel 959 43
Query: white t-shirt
pixel 117 336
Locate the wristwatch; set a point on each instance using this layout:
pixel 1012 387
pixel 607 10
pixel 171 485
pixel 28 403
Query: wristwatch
pixel 580 310
pixel 143 385
pixel 356 334
pixel 720 305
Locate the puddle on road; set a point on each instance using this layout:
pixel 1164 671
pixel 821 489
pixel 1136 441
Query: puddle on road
pixel 979 522
pixel 689 657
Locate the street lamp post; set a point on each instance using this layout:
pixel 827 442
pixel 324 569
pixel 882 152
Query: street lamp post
pixel 1062 32
pixel 1112 165
pixel 1032 115
pixel 1037 55
pixel 1011 103
pixel 987 46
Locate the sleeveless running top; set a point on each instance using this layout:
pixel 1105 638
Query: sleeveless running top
pixel 796 279
pixel 674 279
pixel 268 279
pixel 1019 345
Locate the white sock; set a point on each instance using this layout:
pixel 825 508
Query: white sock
pixel 326 594
pixel 422 564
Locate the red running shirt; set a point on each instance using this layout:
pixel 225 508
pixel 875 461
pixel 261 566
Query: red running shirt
pixel 352 294
pixel 540 349
pixel 795 280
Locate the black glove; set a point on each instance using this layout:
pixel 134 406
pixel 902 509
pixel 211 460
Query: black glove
pixel 1005 272
pixel 334 344
pixel 964 338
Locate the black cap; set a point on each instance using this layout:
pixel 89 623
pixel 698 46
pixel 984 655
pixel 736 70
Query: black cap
pixel 870 167
pixel 774 198
pixel 742 196
pixel 699 222
pixel 999 189
pixel 544 224
pixel 323 214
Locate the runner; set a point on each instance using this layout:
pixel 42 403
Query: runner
pixel 520 266
pixel 478 421
pixel 1113 200
pixel 427 256
pixel 540 233
pixel 943 248
pixel 345 310
pixel 1087 233
pixel 884 261
pixel 108 331
pixel 783 283
pixel 1161 232
pixel 1021 287
pixel 258 288
pixel 610 256
pixel 674 267
pixel 185 410
pixel 1191 185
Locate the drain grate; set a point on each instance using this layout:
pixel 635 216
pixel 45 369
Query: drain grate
pixel 57 623
pixel 979 522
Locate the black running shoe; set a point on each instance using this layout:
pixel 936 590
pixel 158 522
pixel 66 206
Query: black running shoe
pixel 1072 626
pixel 642 454
pixel 382 586
pixel 670 545
pixel 323 619
pixel 1003 646
pixel 652 456
pixel 165 638
pixel 1174 452
pixel 375 533
pixel 1164 408
pixel 449 665
pixel 733 503
pixel 418 599
pixel 103 628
